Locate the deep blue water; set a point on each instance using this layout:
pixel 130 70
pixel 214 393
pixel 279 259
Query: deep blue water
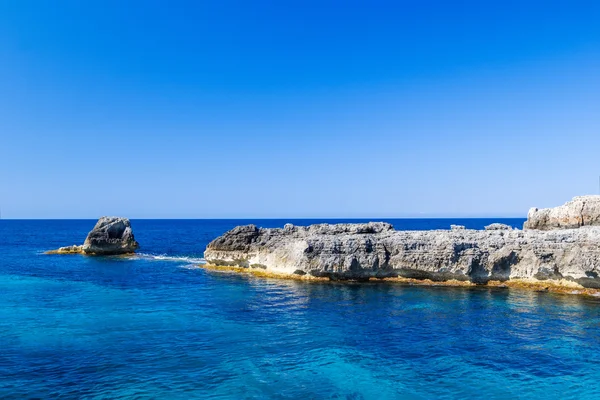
pixel 160 327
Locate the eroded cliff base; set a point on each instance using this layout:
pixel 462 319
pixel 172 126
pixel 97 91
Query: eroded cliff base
pixel 562 286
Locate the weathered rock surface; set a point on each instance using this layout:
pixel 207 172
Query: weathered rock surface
pixel 75 249
pixel 376 250
pixel 110 236
pixel 581 211
pixel 498 227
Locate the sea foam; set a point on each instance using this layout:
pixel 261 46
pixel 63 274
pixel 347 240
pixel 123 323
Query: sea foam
pixel 164 257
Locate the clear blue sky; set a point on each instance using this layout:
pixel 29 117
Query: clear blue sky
pixel 297 108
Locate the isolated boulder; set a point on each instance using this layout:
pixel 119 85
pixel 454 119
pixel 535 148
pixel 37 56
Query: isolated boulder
pixel 581 211
pixel 111 235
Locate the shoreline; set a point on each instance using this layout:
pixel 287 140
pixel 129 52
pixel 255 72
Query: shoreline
pixel 562 286
pixel 558 249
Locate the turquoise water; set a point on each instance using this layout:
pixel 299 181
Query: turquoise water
pixel 157 326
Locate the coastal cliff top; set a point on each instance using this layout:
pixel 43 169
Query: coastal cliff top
pixel 244 238
pixel 580 211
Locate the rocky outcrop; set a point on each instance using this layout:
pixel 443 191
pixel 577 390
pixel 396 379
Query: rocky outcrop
pixel 376 250
pixel 581 211
pixel 110 236
pixel 75 249
pixel 498 227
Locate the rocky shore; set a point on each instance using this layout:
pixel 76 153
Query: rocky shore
pixel 110 236
pixel 581 211
pixel 559 246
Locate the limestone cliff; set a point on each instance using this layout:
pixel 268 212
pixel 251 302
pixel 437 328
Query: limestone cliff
pixel 376 250
pixel 581 211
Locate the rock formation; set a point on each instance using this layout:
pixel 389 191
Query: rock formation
pixel 110 236
pixel 498 227
pixel 581 211
pixel 376 250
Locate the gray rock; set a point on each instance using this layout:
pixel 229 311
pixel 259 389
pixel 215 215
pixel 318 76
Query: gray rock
pixel 457 227
pixel 376 250
pixel 498 227
pixel 111 235
pixel 581 211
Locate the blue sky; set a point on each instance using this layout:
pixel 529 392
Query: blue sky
pixel 230 109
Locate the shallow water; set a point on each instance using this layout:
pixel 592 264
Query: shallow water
pixel 158 326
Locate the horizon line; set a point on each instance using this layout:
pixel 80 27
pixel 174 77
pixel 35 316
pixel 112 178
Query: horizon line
pixel 267 218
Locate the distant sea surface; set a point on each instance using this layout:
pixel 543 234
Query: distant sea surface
pixel 158 326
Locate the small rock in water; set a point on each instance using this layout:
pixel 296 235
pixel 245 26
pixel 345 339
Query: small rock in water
pixel 110 236
pixel 75 249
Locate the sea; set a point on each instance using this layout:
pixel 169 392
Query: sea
pixel 159 326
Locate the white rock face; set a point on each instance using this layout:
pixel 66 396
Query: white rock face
pixel 362 251
pixel 498 227
pixel 581 211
